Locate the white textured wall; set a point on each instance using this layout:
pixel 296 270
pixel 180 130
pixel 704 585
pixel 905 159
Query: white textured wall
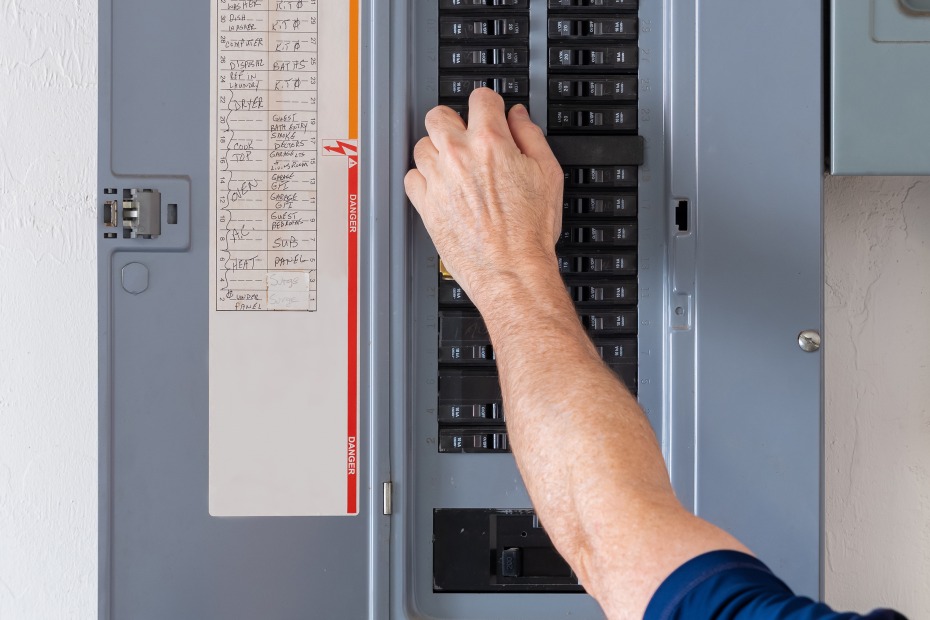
pixel 877 300
pixel 48 350
pixel 877 346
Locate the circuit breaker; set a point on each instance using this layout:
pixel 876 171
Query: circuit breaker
pixel 300 415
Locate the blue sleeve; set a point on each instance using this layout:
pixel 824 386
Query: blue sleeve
pixel 729 585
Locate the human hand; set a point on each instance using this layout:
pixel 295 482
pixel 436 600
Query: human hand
pixel 490 194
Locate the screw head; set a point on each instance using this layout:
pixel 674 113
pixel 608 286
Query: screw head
pixel 809 340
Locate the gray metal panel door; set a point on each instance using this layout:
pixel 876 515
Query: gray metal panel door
pixel 759 279
pixel 161 554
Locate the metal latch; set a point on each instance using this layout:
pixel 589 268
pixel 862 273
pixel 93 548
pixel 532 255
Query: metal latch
pixel 141 213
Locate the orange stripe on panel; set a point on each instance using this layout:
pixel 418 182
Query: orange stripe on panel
pixel 353 68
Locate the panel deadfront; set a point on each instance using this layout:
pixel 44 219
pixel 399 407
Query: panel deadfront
pixel 299 412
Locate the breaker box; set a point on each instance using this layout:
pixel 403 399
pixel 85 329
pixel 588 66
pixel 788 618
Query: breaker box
pixel 299 410
pixel 879 86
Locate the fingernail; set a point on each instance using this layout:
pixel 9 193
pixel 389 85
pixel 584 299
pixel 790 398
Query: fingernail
pixel 521 109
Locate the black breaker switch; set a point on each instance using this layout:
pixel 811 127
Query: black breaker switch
pixel 451 294
pixel 473 440
pixel 622 5
pixel 598 57
pixel 592 28
pixel 461 87
pixel 469 396
pixel 616 351
pixel 464 354
pixel 464 57
pixel 600 176
pixel 603 293
pixel 600 119
pixel 602 264
pixel 609 322
pixel 594 88
pixel 599 235
pixel 487 550
pixel 474 28
pixel 480 412
pixel 483 4
pixel 596 205
pixel 463 339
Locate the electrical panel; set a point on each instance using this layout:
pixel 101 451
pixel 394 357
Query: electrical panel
pixel 300 415
pixel 879 86
pixel 591 119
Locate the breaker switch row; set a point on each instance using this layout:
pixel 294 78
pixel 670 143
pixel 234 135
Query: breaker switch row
pixel 606 264
pixel 598 88
pixel 600 176
pixel 473 440
pixel 464 57
pixel 593 28
pixel 472 396
pixel 614 292
pixel 452 353
pixel 481 29
pixel 617 351
pixel 464 354
pixel 616 5
pixel 462 86
pixel 599 205
pixel 622 291
pixel 481 412
pixel 601 234
pixel 610 322
pixel 600 119
pixel 597 57
pixel 483 4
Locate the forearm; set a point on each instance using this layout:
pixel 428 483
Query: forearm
pixel 587 453
pixel 491 198
pixel 566 411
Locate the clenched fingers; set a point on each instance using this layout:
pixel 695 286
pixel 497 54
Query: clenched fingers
pixel 530 139
pixel 444 126
pixel 486 114
pixel 415 186
pixel 424 156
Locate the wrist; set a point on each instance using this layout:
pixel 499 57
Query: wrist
pixel 529 296
pixel 513 283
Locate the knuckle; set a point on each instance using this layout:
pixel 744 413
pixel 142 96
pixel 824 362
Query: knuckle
pixel 526 124
pixel 422 149
pixel 483 134
pixel 554 169
pixel 411 181
pixel 457 153
pixel 433 117
pixel 487 134
pixel 438 116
